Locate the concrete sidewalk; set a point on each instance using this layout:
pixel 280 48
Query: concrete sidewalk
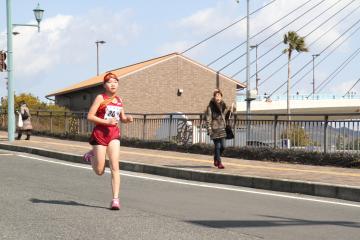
pixel 331 182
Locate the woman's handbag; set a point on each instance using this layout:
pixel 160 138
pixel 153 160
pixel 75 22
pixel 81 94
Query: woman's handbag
pixel 20 122
pixel 229 132
pixel 228 129
pixel 25 115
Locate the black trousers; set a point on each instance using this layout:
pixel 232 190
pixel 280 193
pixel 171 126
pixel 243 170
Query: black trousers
pixel 20 133
pixel 219 147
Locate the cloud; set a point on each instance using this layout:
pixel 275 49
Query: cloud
pixel 343 86
pixel 173 47
pixel 209 20
pixel 204 22
pixel 64 52
pixel 68 40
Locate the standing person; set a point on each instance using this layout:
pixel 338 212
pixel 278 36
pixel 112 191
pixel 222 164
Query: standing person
pixel 216 115
pixel 106 112
pixel 26 118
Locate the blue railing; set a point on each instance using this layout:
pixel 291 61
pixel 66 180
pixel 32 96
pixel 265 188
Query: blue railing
pixel 241 98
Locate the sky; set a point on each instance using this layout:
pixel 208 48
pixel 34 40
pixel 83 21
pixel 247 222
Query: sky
pixel 64 52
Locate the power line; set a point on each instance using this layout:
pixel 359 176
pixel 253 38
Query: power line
pixel 279 56
pixel 352 87
pixel 320 53
pixel 332 76
pixel 317 39
pixel 237 46
pixel 229 26
pixel 261 56
pixel 336 71
pixel 330 53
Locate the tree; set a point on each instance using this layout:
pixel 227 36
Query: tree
pixel 297 135
pixel 293 42
pixel 33 103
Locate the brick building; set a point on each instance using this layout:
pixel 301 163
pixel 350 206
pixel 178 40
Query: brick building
pixel 171 83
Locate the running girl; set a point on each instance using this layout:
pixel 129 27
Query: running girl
pixel 106 112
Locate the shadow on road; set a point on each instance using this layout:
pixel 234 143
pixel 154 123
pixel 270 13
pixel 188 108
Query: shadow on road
pixel 60 202
pixel 277 222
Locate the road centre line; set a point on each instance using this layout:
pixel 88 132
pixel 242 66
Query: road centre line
pixel 229 164
pixel 204 185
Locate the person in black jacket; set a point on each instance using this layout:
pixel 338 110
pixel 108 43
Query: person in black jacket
pixel 217 113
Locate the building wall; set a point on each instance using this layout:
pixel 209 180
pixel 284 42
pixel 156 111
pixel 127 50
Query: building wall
pixel 155 89
pixel 80 100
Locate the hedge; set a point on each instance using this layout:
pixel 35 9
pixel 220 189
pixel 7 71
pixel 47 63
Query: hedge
pixel 338 159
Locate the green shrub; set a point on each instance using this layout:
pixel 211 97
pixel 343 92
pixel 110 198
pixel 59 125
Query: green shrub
pixel 338 159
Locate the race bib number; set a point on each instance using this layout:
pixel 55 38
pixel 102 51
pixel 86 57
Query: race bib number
pixel 113 112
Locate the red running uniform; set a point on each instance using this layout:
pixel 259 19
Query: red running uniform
pixel 103 134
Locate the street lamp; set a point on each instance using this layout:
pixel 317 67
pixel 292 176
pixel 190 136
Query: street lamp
pixel 249 96
pixel 256 67
pixel 313 63
pixel 11 111
pixel 38 12
pixel 97 55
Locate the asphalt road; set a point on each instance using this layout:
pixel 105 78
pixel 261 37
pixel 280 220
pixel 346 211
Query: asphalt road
pixel 43 198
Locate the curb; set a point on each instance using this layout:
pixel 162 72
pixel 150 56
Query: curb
pixel 291 186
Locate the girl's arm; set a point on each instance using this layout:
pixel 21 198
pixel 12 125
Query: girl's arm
pixel 92 113
pixel 124 118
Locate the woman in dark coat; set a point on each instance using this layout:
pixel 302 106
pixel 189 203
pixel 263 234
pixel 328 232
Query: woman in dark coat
pixel 217 114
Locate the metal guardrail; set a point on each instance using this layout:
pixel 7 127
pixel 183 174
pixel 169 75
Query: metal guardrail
pixel 310 132
pixel 241 98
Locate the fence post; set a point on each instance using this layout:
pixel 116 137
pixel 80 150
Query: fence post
pixel 51 122
pixel 84 125
pixel 144 127
pixel 275 129
pixel 325 132
pixel 170 125
pixel 200 129
pixel 37 119
pixel 235 119
pixel 66 124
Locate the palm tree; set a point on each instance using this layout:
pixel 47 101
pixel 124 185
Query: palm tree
pixel 293 42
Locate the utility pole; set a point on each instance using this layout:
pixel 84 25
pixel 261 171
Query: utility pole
pixel 256 66
pixel 313 63
pixel 38 12
pixel 97 55
pixel 10 100
pixel 248 85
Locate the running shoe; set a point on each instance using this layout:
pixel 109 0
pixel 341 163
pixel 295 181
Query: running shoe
pixel 115 204
pixel 220 166
pixel 87 156
pixel 216 163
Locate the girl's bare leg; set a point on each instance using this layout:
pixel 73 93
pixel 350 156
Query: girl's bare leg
pixel 98 161
pixel 113 152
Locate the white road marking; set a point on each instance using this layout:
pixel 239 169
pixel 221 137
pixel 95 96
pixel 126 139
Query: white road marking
pixel 204 185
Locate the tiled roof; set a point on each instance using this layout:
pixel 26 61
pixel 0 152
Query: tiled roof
pixel 120 72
